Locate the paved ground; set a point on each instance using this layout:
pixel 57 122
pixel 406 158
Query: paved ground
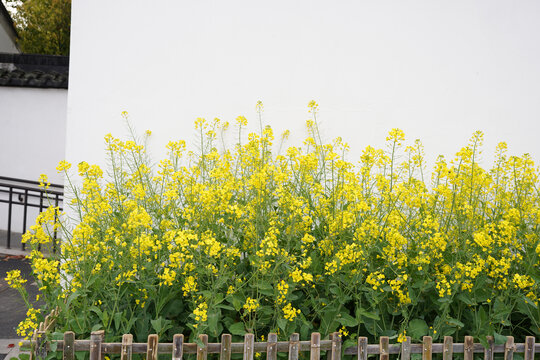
pixel 12 307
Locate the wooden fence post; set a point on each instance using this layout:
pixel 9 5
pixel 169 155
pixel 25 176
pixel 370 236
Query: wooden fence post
pixel 315 346
pixel 362 348
pixel 96 338
pixel 468 348
pixel 127 347
pixel 509 348
pixel 271 347
pixel 152 347
pixel 178 347
pixel 335 352
pixel 69 345
pixel 427 347
pixel 383 348
pixel 225 351
pixel 488 352
pixel 448 348
pixel 248 346
pixel 202 351
pixel 406 349
pixel 294 344
pixel 529 348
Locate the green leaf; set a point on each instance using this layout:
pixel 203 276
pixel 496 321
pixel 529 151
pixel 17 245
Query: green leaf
pixel 360 312
pixel 466 299
pixel 53 345
pixel 499 339
pixel 237 303
pixel 118 319
pixel 225 307
pixel 97 327
pixel 347 320
pixel 454 322
pixel 24 356
pixel 213 318
pixel 157 325
pixel 237 328
pixel 282 324
pixel 417 328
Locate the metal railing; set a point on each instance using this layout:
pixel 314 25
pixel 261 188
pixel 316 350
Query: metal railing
pixel 28 194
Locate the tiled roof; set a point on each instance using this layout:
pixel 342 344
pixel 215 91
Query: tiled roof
pixel 28 70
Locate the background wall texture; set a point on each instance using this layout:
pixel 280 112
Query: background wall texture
pixel 439 70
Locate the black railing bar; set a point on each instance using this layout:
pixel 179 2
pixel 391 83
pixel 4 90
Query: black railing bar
pixel 10 203
pixel 22 204
pixel 30 189
pixel 24 216
pixel 40 211
pixel 55 220
pixel 50 197
pixel 28 181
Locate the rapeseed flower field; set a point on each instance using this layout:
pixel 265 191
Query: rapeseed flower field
pixel 250 239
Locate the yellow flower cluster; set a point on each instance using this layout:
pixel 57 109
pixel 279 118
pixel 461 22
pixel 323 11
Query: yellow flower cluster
pixel 14 279
pixel 251 305
pixel 289 312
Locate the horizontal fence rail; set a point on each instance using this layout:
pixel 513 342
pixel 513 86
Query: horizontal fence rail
pixel 97 348
pixel 28 194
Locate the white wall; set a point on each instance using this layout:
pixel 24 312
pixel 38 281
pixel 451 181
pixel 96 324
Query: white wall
pixel 32 138
pixel 437 69
pixel 7 44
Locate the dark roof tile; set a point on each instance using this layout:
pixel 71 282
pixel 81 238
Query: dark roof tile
pixel 28 70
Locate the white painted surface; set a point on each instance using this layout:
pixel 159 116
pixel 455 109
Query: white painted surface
pixel 33 124
pixel 437 69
